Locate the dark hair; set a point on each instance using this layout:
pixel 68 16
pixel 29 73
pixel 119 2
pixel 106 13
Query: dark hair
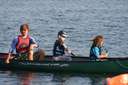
pixel 97 40
pixel 24 25
pixel 62 33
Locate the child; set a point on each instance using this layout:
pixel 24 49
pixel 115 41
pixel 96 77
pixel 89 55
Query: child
pixel 97 50
pixel 60 50
pixel 23 44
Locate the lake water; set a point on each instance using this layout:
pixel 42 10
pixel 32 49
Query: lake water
pixel 81 19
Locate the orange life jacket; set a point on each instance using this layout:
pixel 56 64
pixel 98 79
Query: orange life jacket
pixel 121 79
pixel 23 44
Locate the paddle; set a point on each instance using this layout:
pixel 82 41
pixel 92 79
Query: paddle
pixel 73 54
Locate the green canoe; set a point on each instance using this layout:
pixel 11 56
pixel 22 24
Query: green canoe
pixel 77 65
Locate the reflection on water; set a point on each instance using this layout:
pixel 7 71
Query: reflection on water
pixel 25 78
pixel 41 78
pixel 78 81
pixel 34 78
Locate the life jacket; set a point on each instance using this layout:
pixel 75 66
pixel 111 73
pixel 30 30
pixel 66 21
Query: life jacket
pixel 92 55
pixel 121 79
pixel 58 49
pixel 23 44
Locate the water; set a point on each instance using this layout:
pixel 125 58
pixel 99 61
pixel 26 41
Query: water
pixel 81 19
pixel 34 78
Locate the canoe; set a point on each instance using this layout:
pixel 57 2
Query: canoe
pixel 79 64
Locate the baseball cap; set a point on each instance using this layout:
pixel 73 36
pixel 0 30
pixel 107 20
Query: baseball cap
pixel 62 33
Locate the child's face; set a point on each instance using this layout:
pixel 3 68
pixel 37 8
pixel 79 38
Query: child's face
pixel 62 38
pixel 24 31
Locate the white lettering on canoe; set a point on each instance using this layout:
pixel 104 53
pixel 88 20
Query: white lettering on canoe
pixel 44 64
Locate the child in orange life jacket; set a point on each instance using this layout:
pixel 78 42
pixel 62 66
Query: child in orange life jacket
pixel 23 44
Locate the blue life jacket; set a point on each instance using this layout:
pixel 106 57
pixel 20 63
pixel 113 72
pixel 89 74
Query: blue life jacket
pixel 92 54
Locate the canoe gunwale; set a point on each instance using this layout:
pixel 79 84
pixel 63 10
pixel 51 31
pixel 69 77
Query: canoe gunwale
pixel 74 58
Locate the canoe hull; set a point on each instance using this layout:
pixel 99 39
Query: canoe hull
pixel 96 67
pixel 78 65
